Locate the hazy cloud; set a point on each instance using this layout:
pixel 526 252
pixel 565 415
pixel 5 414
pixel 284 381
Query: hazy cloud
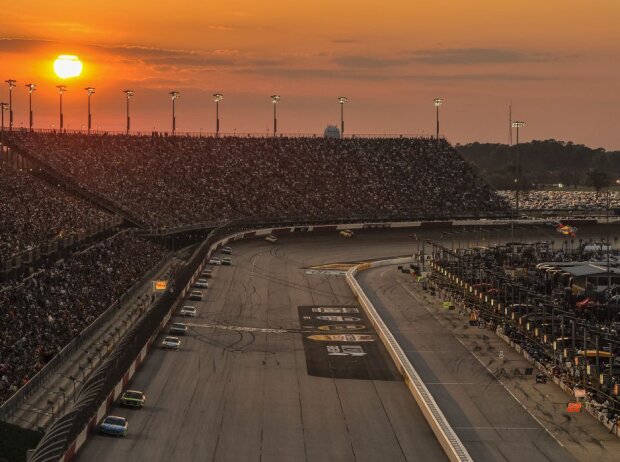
pixel 479 56
pixel 21 45
pixel 345 74
pixel 345 40
pixel 452 56
pixel 357 61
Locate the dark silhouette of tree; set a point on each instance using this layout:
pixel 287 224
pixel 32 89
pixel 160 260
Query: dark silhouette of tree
pixel 542 162
pixel 598 179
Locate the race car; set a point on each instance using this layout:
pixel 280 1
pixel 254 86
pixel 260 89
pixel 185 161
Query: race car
pixel 346 233
pixel 132 398
pixel 114 425
pixel 188 311
pixel 178 328
pixel 171 343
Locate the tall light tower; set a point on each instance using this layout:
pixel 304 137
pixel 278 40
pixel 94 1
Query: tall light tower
pixel 3 107
pixel 61 90
pixel 90 91
pixel 217 97
pixel 342 100
pixel 31 88
pixel 437 102
pixel 518 124
pixel 128 95
pixel 174 95
pixel 11 83
pixel 274 100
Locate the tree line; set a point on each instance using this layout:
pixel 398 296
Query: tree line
pixel 543 163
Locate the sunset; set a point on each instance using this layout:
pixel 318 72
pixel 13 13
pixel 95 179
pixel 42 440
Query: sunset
pixel 556 65
pixel 310 231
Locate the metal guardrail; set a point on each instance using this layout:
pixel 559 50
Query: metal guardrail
pixel 450 442
pixel 10 406
pixel 98 386
pixel 47 172
pixel 96 390
pixel 33 255
pixel 209 134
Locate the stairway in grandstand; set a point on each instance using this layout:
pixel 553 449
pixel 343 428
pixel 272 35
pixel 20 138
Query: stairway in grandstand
pixel 19 157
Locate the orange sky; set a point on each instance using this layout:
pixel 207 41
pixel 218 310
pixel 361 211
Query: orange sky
pixel 556 61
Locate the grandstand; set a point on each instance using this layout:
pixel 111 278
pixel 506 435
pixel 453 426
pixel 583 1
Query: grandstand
pixel 72 208
pixel 43 312
pixel 173 181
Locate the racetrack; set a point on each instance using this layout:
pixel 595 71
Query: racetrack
pixel 243 396
pixel 247 395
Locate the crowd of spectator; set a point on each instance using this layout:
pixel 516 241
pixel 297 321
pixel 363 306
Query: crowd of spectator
pixel 562 199
pixel 41 314
pixel 171 181
pixel 33 212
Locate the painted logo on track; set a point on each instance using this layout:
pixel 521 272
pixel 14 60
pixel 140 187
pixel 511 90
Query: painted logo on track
pixel 335 310
pixel 339 318
pixel 341 338
pixel 332 327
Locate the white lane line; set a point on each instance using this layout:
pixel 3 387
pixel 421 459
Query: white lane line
pixel 452 383
pixel 499 428
pixel 485 366
pixel 427 351
pixel 240 328
pixel 253 264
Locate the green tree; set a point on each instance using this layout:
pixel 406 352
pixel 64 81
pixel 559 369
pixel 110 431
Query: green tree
pixel 598 179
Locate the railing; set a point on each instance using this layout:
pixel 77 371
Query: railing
pixel 53 246
pixel 47 172
pixel 209 134
pixel 448 439
pixel 9 407
pixel 97 389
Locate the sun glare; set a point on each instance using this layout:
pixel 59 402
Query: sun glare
pixel 67 66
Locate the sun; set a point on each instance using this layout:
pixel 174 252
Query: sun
pixel 67 66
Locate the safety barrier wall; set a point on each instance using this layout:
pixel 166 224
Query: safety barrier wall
pixel 247 229
pixel 55 248
pixel 66 435
pixel 450 442
pixel 10 407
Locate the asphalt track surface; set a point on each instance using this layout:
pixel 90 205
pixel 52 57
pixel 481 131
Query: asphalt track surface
pixel 486 417
pixel 231 395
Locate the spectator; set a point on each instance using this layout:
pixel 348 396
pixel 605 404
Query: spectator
pixel 40 315
pixel 550 200
pixel 33 212
pixel 172 181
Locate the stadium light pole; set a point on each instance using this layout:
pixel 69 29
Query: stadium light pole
pixel 3 107
pixel 437 102
pixel 128 95
pixel 90 91
pixel 11 83
pixel 342 100
pixel 61 90
pixel 217 97
pixel 274 100
pixel 174 95
pixel 518 124
pixel 31 88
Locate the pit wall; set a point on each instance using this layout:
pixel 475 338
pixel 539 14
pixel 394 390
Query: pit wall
pixel 450 442
pixel 446 436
